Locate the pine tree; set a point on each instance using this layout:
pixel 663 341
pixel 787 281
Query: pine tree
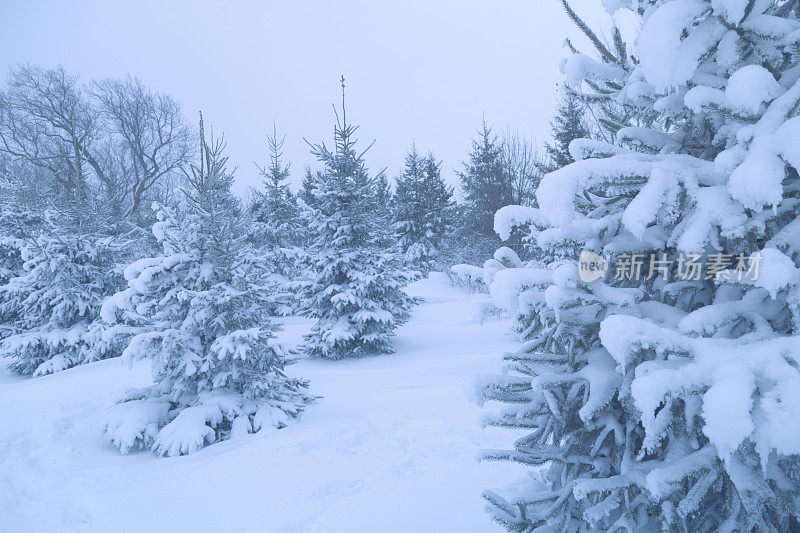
pixel 568 124
pixel 306 194
pixel 275 213
pixel 277 227
pixel 11 245
pixel 199 315
pixel 384 200
pixel 485 181
pixel 54 276
pixel 49 308
pixel 17 220
pixel 383 191
pixel 652 403
pixel 422 210
pixel 355 290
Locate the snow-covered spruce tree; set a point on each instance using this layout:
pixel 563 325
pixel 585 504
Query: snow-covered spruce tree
pixel 355 285
pixel 674 408
pixel 486 184
pixel 50 307
pixel 17 220
pixel 199 317
pixel 422 210
pixel 485 181
pixel 306 192
pixel 568 124
pixel 275 213
pixel 277 228
pixel 383 192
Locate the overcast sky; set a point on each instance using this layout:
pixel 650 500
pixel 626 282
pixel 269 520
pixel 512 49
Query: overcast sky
pixel 421 70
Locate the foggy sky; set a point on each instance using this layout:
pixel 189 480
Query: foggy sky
pixel 415 70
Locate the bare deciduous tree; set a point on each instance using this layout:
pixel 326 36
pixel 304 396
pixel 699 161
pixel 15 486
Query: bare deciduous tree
pixel 112 146
pixel 153 140
pixel 46 120
pixel 522 158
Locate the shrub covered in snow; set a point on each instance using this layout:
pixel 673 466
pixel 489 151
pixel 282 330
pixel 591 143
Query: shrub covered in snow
pixel 468 277
pixel 198 313
pixel 654 404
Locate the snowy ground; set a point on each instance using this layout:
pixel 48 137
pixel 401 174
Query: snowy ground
pixel 390 447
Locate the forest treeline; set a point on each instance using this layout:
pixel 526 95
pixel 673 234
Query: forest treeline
pixel 120 236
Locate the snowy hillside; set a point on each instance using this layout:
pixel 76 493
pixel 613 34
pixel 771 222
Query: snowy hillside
pixel 388 429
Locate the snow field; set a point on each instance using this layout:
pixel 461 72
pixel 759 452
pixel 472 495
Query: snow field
pixel 390 446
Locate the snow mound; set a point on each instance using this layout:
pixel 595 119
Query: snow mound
pixel 750 87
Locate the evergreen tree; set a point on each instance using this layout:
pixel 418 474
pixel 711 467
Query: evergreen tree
pixel 17 221
pixel 422 210
pixel 383 192
pixel 49 308
pixel 355 290
pixel 11 244
pixel 665 402
pixel 54 275
pixel 306 194
pixel 384 200
pixel 568 124
pixel 275 213
pixel 198 313
pixel 277 226
pixel 485 181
